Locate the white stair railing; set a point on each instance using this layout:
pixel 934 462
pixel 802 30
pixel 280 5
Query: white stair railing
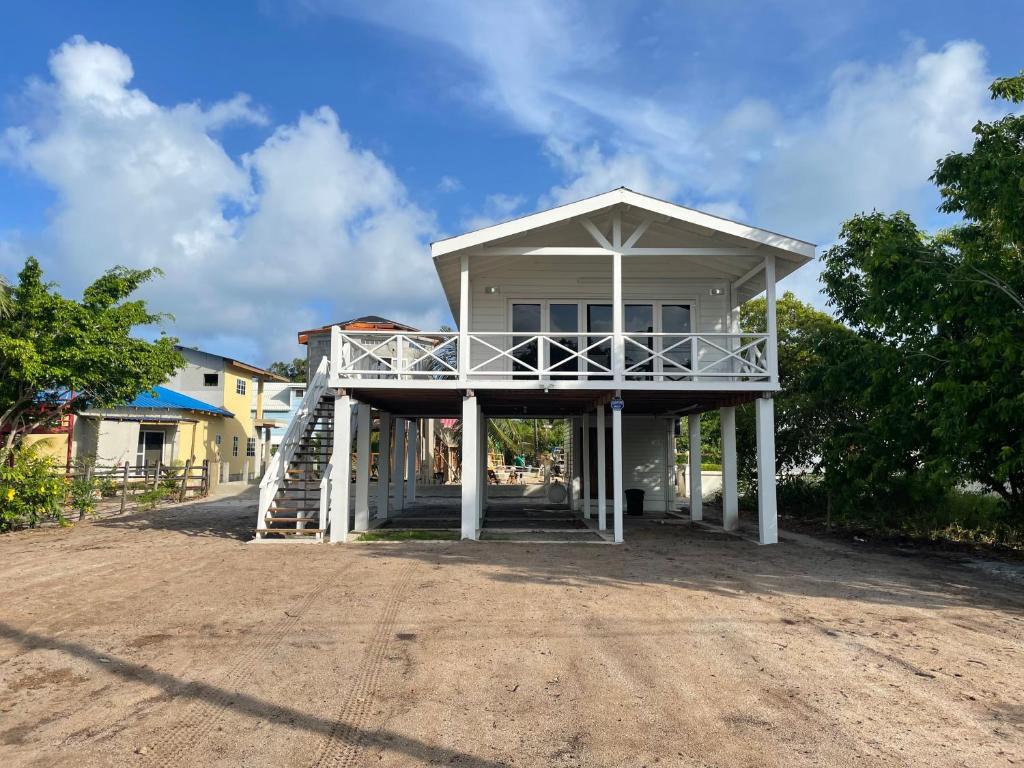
pixel 278 467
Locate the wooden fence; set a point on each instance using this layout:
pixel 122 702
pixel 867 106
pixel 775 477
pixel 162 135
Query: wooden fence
pixel 129 481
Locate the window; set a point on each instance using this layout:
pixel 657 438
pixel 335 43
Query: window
pixel 240 386
pixel 234 446
pixel 210 379
pixel 299 394
pixel 218 440
pixel 250 446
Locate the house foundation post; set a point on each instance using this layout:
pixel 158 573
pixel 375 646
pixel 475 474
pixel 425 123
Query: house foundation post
pixel 482 511
pixel 341 469
pixel 767 517
pixel 383 465
pixel 399 465
pixel 470 466
pixel 669 465
pixel 585 423
pixel 696 497
pixel 602 480
pixel 617 488
pixel 362 517
pixel 730 488
pixel 410 471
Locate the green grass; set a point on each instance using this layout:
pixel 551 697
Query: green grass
pixel 409 536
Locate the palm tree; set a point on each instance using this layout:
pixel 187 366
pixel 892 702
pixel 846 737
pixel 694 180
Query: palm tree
pixel 6 304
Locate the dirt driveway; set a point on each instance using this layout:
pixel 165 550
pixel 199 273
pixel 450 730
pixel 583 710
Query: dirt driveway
pixel 164 639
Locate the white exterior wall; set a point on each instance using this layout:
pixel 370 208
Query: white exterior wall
pixel 118 442
pixel 580 278
pixel 643 456
pixel 189 380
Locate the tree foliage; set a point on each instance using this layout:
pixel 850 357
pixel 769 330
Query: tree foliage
pixel 296 371
pixel 59 356
pixel 946 316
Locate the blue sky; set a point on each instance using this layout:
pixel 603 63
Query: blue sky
pixel 324 143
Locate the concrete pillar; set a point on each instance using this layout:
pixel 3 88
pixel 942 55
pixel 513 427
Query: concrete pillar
pixel 669 466
pixel 410 471
pixel 399 464
pixel 428 473
pixel 730 486
pixel 470 466
pixel 341 469
pixel 617 488
pixel 767 516
pixel 585 422
pixel 602 480
pixel 383 465
pixel 696 498
pixel 362 521
pixel 482 507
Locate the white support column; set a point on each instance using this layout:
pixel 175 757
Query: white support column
pixel 730 488
pixel 362 467
pixel 465 297
pixel 428 474
pixel 767 517
pixel 772 324
pixel 470 466
pixel 602 480
pixel 399 465
pixel 586 465
pixel 669 466
pixel 570 465
pixel 482 507
pixel 618 342
pixel 410 471
pixel 617 488
pixel 341 469
pixel 696 498
pixel 383 465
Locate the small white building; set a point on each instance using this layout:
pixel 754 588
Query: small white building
pixel 620 311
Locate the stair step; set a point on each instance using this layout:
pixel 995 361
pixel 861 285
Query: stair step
pixel 291 520
pixel 290 531
pixel 293 509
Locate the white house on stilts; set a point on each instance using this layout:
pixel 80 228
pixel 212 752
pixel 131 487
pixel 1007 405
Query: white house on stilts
pixel 620 312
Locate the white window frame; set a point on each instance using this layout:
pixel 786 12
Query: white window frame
pixel 250 445
pixel 234 445
pixel 692 301
pixel 241 386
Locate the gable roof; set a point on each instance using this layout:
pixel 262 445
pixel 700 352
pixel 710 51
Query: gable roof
pixel 163 398
pixel 801 249
pixel 364 323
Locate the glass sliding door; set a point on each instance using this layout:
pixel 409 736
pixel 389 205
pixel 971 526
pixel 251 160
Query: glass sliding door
pixel 563 318
pixel 599 323
pixel 639 319
pixel 526 319
pixel 675 318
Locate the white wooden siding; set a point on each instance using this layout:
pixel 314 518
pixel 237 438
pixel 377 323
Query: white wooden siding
pixel 583 278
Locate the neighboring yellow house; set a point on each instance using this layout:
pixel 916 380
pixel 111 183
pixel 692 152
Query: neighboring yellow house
pixel 210 410
pixel 240 444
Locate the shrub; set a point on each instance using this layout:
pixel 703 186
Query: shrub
pixel 30 490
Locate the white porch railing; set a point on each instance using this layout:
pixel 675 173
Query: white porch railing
pixel 278 467
pixel 495 356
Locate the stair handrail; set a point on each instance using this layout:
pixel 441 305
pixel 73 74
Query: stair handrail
pixel 274 476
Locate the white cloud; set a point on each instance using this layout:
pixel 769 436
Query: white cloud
pixel 249 246
pixel 449 184
pixel 497 208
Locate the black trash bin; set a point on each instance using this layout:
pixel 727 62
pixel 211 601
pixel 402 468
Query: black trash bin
pixel 634 501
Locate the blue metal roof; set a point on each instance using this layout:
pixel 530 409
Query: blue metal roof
pixel 164 398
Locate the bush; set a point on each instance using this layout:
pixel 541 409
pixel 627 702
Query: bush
pixel 30 490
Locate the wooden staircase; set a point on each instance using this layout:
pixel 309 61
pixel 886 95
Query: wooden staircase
pixel 295 491
pixel 294 512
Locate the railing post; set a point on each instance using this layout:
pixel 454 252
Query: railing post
pixel 694 353
pixel 335 359
pixel 399 356
pixel 462 352
pixel 772 326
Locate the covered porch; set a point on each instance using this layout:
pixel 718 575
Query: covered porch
pixel 638 431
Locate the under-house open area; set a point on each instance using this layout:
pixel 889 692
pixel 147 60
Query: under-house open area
pixel 166 638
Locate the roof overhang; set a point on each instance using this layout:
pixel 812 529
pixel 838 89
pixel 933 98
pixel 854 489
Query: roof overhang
pixel 650 227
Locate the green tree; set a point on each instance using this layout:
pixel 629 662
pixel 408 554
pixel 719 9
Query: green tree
pixel 61 356
pixel 295 371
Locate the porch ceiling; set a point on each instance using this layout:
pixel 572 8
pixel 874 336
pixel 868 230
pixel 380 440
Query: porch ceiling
pixel 529 403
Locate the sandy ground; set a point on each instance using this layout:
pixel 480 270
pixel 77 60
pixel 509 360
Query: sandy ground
pixel 164 639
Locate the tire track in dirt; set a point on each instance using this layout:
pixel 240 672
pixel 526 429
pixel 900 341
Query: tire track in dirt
pixel 205 713
pixel 342 745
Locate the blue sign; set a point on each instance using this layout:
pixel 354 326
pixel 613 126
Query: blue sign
pixel 617 404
